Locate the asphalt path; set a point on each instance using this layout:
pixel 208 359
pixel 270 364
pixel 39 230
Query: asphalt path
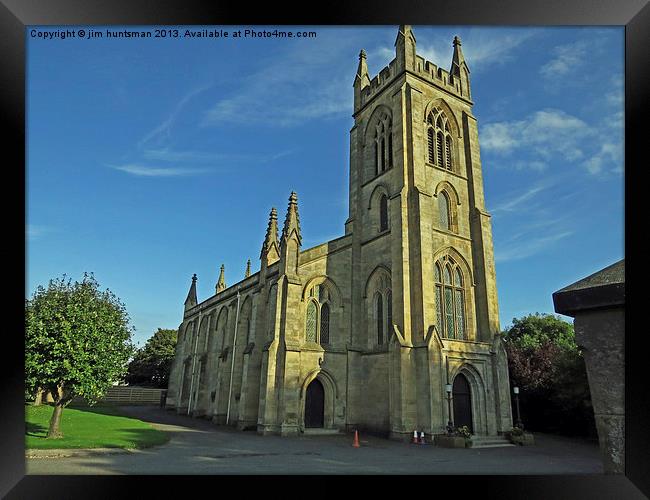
pixel 200 447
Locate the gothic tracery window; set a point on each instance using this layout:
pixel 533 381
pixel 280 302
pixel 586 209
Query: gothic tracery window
pixel 450 299
pixel 439 140
pixel 318 316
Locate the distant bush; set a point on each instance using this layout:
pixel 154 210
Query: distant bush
pixel 549 369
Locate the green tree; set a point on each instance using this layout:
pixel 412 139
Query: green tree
pixel 547 365
pixel 151 364
pixel 77 342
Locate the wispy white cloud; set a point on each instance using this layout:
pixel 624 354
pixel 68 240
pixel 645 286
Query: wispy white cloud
pixel 295 86
pixel 514 204
pixel 148 171
pixel 482 48
pixel 161 132
pixel 567 58
pixel 551 134
pixel 609 153
pixel 35 231
pixel 528 247
pixel 210 157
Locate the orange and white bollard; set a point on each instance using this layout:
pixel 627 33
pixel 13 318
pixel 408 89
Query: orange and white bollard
pixel 355 443
pixel 422 438
pixel 415 437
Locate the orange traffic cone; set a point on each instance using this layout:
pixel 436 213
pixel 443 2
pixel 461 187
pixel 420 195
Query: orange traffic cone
pixel 422 438
pixel 415 437
pixel 355 443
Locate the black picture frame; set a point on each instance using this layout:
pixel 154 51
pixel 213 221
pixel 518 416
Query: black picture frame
pixel 15 15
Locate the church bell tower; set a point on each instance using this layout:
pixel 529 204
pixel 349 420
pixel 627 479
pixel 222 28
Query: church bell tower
pixel 417 214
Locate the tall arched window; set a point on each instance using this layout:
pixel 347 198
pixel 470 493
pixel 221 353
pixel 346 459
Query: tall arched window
pixel 270 312
pixel 443 208
pixel 439 140
pixel 318 316
pixel 379 318
pixel 450 301
pixel 312 322
pixel 383 213
pixel 440 158
pixel 380 309
pixel 325 324
pixel 376 156
pixel 383 144
pixel 389 313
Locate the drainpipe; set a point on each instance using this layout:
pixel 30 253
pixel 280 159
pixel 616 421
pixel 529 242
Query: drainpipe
pixel 196 343
pixel 232 364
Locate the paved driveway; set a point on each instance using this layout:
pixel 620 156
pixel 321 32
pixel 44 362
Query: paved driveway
pixel 199 447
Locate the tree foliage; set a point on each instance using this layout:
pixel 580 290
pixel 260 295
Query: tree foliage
pixel 151 364
pixel 547 365
pixel 77 341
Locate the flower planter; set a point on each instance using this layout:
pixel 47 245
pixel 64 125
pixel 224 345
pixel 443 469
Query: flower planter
pixel 525 439
pixel 446 441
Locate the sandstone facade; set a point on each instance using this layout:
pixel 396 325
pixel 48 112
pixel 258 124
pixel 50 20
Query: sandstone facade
pixel 365 331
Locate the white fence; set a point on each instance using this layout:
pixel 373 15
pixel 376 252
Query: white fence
pixel 125 395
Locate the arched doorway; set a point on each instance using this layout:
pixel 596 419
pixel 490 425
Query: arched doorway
pixel 315 405
pixel 462 398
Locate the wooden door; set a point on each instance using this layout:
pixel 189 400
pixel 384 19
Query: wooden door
pixel 315 405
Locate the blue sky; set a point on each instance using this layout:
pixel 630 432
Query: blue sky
pixel 149 160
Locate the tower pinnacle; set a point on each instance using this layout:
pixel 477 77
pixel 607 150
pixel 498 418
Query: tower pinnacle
pixel 271 246
pixel 458 59
pixel 405 48
pixel 248 269
pixel 221 283
pixel 362 71
pixel 292 221
pixel 191 299
pixel 459 70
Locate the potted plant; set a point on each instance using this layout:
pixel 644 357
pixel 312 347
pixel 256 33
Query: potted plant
pixel 518 436
pixel 459 438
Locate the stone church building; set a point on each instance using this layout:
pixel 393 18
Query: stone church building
pixel 366 331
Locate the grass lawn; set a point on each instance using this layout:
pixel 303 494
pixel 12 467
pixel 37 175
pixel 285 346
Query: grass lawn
pixel 94 427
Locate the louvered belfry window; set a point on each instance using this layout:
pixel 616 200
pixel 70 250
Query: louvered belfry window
pixel 439 140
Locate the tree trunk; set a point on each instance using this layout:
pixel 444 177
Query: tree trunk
pixel 39 397
pixel 55 421
pixel 61 398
